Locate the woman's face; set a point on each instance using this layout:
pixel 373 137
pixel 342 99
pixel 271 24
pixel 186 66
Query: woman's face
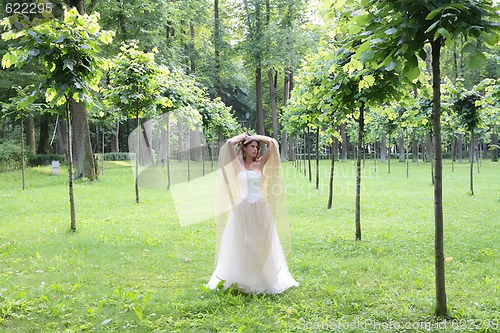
pixel 252 149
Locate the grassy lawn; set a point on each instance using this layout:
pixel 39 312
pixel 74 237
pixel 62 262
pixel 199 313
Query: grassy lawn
pixel 133 268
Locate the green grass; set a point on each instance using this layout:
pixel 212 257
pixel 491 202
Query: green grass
pixel 133 268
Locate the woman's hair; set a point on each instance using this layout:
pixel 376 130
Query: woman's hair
pixel 248 140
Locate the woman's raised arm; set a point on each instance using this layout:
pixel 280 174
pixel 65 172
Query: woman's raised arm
pixel 266 140
pixel 238 138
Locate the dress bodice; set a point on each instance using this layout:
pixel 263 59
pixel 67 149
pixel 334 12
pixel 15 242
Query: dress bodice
pixel 249 182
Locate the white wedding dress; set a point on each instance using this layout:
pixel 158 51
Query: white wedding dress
pixel 250 257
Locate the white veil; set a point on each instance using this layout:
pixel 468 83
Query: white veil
pixel 198 192
pixel 172 155
pixel 273 190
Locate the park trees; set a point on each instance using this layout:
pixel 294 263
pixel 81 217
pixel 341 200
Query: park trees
pixel 490 105
pixel 357 85
pixel 255 25
pixel 402 29
pixel 22 107
pixel 383 36
pixel 307 110
pixel 272 40
pixel 194 111
pixel 470 118
pixel 156 94
pixel 134 88
pixel 353 80
pixel 69 51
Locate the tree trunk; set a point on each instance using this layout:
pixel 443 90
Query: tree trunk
pixel 440 309
pixel 148 157
pixel 460 154
pixel 182 147
pixel 361 122
pixel 453 153
pixel 285 151
pixel 474 149
pixel 335 148
pixel 455 61
pixel 122 21
pixel 137 156
pixel 114 143
pixel 332 174
pixel 291 150
pixel 309 153
pixel 343 135
pixel 85 165
pixel 471 160
pixel 78 4
pixel 317 158
pixel 484 150
pixel 494 152
pixel 260 107
pixel 70 166
pixel 188 151
pixel 304 153
pixel 23 176
pixel 389 161
pixel 284 146
pixel 167 149
pixel 192 58
pixel 414 150
pixel 29 129
pixel 217 46
pixel 383 148
pixel 401 147
pixel 43 144
pixel 196 148
pixel 272 96
pixel 96 146
pixel 102 151
pixel 407 158
pixel 162 154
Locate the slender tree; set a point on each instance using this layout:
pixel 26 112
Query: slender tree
pixel 21 107
pixel 255 27
pixel 217 49
pixel 135 89
pixel 69 50
pixel 402 30
pixel 470 117
pixel 491 110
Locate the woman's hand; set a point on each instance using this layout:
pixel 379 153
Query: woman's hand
pixel 262 138
pixel 238 138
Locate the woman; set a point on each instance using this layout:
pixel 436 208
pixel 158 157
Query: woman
pixel 251 213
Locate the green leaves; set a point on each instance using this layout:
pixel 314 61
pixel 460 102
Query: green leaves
pixel 22 104
pixel 9 59
pixel 135 82
pixel 411 69
pixel 433 14
pixel 69 51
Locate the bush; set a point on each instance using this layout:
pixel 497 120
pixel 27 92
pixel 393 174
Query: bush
pixel 10 156
pixel 45 159
pixel 114 156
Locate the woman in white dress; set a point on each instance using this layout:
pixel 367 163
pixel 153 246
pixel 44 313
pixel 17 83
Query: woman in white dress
pixel 253 237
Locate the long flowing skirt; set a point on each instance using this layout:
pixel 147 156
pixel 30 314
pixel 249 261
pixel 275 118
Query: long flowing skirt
pixel 250 256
